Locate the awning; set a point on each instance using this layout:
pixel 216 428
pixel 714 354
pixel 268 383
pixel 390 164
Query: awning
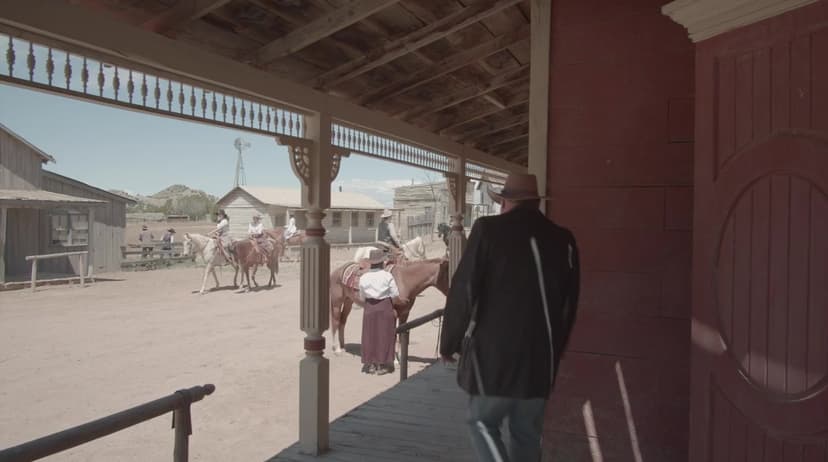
pixel 38 198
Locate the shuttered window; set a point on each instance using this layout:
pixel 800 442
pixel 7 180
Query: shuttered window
pixel 69 228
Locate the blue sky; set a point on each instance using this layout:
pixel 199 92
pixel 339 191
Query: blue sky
pixel 114 148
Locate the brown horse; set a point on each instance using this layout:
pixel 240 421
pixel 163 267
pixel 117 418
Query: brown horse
pixel 247 255
pixel 278 234
pixel 411 277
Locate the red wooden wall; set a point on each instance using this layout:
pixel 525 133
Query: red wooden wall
pixel 760 334
pixel 620 175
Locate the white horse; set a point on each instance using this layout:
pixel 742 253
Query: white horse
pixel 205 246
pixel 413 250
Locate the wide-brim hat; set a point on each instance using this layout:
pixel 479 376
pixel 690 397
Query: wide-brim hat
pixel 257 215
pixel 143 226
pixel 171 230
pixel 386 213
pixel 518 187
pixel 376 256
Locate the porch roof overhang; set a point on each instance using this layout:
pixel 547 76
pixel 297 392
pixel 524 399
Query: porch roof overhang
pixel 439 74
pixel 40 199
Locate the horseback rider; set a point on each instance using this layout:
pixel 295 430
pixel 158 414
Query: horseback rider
pixel 256 232
pixel 386 232
pixel 221 233
pixel 290 229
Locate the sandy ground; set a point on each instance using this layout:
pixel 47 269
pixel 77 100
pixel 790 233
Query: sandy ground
pixel 70 354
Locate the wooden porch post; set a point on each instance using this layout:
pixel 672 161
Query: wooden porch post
pixel 316 165
pixel 90 244
pixel 457 204
pixel 541 17
pixel 3 221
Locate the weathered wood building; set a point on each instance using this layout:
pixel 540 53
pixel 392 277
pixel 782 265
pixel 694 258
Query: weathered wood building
pixel 352 219
pixel 420 208
pixel 42 212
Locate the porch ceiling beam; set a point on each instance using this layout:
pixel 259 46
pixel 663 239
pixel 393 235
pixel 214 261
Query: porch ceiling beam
pixel 81 29
pixel 318 29
pixel 504 79
pixel 491 140
pixel 182 13
pixel 508 141
pixel 412 42
pixel 496 127
pixel 480 115
pixel 445 66
pixel 494 101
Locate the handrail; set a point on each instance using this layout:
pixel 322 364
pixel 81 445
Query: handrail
pixel 178 402
pixel 403 331
pixel 81 254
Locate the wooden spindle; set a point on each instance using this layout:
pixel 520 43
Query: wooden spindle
pixel 224 108
pixel 267 119
pixel 157 93
pixel 67 70
pixel 85 75
pixel 101 79
pixel 144 90
pixel 259 115
pixel 31 61
pixel 233 110
pixel 130 87
pixel 50 67
pixel 203 104
pixel 243 115
pixel 181 99
pixel 214 106
pixel 192 101
pixel 169 95
pixel 10 56
pixel 116 83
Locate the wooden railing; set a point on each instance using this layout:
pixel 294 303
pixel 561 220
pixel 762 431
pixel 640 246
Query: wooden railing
pixel 178 403
pixel 82 256
pixel 403 331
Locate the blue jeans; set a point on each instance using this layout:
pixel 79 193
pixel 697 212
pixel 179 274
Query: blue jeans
pixel 525 425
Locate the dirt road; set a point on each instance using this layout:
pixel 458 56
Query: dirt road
pixel 69 355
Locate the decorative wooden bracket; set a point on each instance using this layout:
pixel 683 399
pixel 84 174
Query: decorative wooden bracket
pixel 336 160
pixel 300 159
pixel 451 179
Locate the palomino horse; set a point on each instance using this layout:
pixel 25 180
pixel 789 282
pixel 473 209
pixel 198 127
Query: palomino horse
pixel 206 247
pixel 248 255
pixel 412 250
pixel 411 277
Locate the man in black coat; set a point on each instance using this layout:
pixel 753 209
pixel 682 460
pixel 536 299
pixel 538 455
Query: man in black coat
pixel 521 272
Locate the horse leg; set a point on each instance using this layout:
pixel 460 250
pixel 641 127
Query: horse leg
pixel 204 279
pixel 255 268
pixel 336 313
pixel 347 304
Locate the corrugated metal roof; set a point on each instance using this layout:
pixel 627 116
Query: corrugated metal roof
pixel 287 197
pixel 41 196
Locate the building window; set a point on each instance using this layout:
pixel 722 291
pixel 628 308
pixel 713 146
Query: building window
pixel 369 219
pixel 69 228
pixel 355 219
pixel 337 220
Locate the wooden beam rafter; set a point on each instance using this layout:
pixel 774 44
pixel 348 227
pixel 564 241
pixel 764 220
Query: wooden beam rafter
pixel 181 14
pixel 508 140
pixel 445 66
pixel 318 29
pixel 504 79
pixel 412 42
pixel 495 127
pixel 480 115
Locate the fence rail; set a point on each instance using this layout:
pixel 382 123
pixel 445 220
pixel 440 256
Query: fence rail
pixel 178 403
pixel 82 256
pixel 404 329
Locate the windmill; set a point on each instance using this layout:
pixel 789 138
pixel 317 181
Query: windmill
pixel 240 145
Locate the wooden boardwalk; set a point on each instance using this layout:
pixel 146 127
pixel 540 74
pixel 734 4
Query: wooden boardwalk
pixel 422 418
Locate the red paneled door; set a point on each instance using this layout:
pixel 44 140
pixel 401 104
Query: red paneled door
pixel 760 313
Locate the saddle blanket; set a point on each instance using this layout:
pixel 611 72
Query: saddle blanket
pixel 350 277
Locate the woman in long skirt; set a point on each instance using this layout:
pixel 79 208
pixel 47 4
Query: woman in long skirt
pixel 377 288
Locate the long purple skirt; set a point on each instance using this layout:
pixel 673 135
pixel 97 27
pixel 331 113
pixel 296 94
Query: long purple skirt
pixel 378 326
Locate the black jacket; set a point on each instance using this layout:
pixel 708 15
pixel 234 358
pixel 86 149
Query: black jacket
pixel 498 269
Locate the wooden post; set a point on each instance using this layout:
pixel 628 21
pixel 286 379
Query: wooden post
pixel 3 220
pixel 541 17
pixel 34 273
pixel 312 161
pixel 457 202
pixel 90 245
pixel 183 429
pixel 82 269
pixel 404 339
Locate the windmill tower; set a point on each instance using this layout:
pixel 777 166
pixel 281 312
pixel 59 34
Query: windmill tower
pixel 240 145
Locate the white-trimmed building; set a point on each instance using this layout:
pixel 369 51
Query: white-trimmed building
pixel 352 219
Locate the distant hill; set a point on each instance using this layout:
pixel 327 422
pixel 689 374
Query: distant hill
pixel 177 199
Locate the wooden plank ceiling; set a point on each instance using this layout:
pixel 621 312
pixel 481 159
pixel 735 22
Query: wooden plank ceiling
pixel 459 68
